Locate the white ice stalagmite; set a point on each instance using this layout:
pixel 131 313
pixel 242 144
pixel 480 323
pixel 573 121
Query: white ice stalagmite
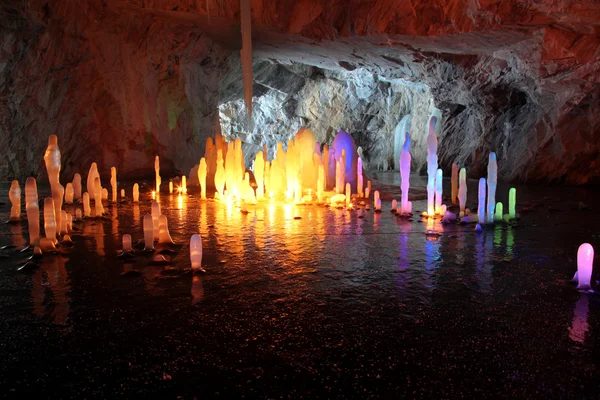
pixel 246 56
pixel 98 197
pixel 156 213
pixel 454 180
pixel 585 261
pixel 492 182
pixel 512 202
pixel 136 193
pixel 92 175
pixel 163 231
pixel 87 209
pixel 77 190
pixel 157 172
pixel 148 227
pixel 462 190
pixel 481 203
pixel 69 193
pixel 127 243
pixel 405 159
pixel 33 211
pixel 196 252
pixel 113 183
pixel 432 164
pixel 49 219
pixel 14 194
pixel 359 178
pixel 439 179
pixel 202 173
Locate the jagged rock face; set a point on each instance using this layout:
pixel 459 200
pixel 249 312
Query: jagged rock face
pixel 120 81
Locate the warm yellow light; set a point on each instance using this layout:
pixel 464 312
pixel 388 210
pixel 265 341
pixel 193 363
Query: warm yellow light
pixel 153 194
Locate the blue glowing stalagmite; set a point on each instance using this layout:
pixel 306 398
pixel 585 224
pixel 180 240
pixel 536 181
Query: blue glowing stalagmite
pixel 481 203
pixel 492 182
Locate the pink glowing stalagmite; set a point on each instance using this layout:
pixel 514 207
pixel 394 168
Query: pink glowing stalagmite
pixel 196 252
pixel 359 178
pixel 14 195
pixel 148 227
pixel 439 179
pixel 585 264
pixel 405 159
pixel 432 165
pixel 33 211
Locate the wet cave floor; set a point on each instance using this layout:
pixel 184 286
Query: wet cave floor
pixel 327 305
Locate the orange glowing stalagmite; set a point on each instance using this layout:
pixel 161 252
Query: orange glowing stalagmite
pixel 49 219
pixel 33 211
pixel 220 174
pixel 202 173
pixel 259 175
pixel 98 197
pixel 69 193
pixel 87 209
pixel 14 195
pixel 113 183
pixel 157 172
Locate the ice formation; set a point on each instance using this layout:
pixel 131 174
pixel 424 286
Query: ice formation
pixel 492 182
pixel 136 193
pixel 113 183
pixel 359 178
pixel 148 227
pixel 77 193
pixel 512 202
pixel 47 245
pixel 432 165
pixel 33 211
pixel 14 195
pixel 202 172
pixel 196 252
pixel 52 161
pixel 78 214
pixel 400 133
pixel 69 194
pixel 481 203
pixel 585 261
pixel 127 243
pixel 155 216
pixel 163 231
pixel 170 186
pixel 49 219
pixel 376 201
pixel 98 197
pixel 157 172
pixel 92 175
pixel 220 174
pixel 368 190
pixel 454 180
pixel 64 225
pixel 344 146
pixel 348 194
pixel 394 205
pixel 246 56
pixel 104 194
pixel 122 193
pixel 58 194
pixel 499 210
pixel 462 190
pixel 439 180
pixel 183 185
pixel 87 210
pixel 405 159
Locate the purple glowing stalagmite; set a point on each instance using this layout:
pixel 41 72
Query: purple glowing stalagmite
pixel 405 159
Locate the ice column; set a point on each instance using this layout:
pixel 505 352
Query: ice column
pixel 220 174
pixel 113 183
pixel 148 232
pixel 136 193
pixel 202 172
pixel 14 195
pixel 155 216
pixel 454 183
pixel 585 260
pixel 359 178
pixel 481 198
pixel 163 231
pixel 92 175
pixel 98 197
pixel 439 180
pixel 432 165
pixel 157 172
pixel 33 211
pixel 462 190
pixel 52 161
pixel 77 187
pixel 127 242
pixel 405 159
pixel 499 209
pixel 69 193
pixel 49 220
pixel 512 201
pixel 492 182
pixel 87 210
pixel 196 252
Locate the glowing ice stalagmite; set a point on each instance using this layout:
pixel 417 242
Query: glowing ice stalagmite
pixel 52 161
pixel 122 193
pixel 163 231
pixel 183 184
pixel 155 217
pixel 98 197
pixel 136 193
pixel 113 183
pixel 462 190
pixel 359 178
pixel 14 195
pixel 171 186
pixel 92 175
pixel 348 194
pixel 492 182
pixel 196 252
pixel 454 183
pixel 202 173
pixel 104 194
pixel 87 210
pixel 148 227
pixel 368 190
pixel 157 172
pixel 69 193
pixel 343 143
pixel 33 211
pixel 127 242
pixel 481 203
pixel 220 173
pixel 58 194
pixel 512 202
pixel 405 159
pixel 432 164
pixel 377 201
pixel 498 212
pixel 77 190
pixel 63 222
pixel 585 261
pixel 439 179
pixel 49 219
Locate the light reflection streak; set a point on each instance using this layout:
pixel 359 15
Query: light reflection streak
pixel 49 289
pixel 580 325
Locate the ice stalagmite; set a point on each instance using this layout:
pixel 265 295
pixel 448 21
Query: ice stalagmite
pixel 259 175
pixel 157 172
pixel 499 209
pixel 202 172
pixel 14 195
pixel 512 201
pixel 155 216
pixel 585 260
pixel 136 193
pixel 405 159
pixel 52 161
pixel 246 56
pixel 33 211
pixel 92 175
pixel 432 164
pixel 98 197
pixel 220 174
pixel 58 195
pixel 454 184
pixel 113 183
pixel 481 198
pixel 69 193
pixel 462 190
pixel 87 210
pixel 196 252
pixel 183 185
pixel 148 227
pixel 163 231
pixel 492 182
pixel 77 187
pixel 127 242
pixel 359 178
pixel 49 219
pixel 439 179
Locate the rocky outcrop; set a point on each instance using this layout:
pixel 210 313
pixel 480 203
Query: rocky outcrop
pixel 120 81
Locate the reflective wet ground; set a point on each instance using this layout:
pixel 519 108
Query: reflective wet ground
pixel 325 306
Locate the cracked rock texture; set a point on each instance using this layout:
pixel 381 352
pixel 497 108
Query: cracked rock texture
pixel 120 81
